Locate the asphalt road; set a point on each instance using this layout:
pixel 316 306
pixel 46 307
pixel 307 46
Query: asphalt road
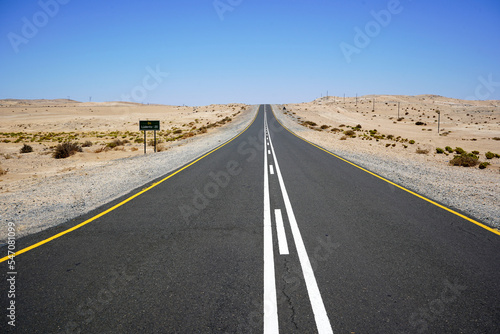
pixel 266 234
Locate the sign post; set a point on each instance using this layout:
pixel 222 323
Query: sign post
pixel 149 126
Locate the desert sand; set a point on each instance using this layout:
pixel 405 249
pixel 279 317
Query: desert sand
pixel 43 124
pixel 470 125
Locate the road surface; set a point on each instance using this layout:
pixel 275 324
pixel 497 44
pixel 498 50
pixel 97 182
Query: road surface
pixel 265 234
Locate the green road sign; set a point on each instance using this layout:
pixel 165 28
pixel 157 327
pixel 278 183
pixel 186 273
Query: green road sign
pixel 149 125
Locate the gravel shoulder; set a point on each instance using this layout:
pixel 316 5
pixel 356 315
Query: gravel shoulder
pixel 470 191
pixel 57 199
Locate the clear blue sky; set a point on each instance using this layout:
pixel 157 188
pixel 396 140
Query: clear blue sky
pixel 261 51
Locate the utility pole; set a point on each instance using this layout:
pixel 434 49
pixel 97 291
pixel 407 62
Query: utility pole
pixel 439 118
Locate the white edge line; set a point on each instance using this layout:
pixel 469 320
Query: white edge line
pixel 322 322
pixel 280 231
pixel 271 325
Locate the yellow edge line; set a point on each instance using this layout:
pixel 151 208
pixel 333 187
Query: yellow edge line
pixel 394 184
pixel 38 244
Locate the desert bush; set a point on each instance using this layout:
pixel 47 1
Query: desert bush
pixel 448 149
pixel 2 171
pixel 412 142
pixel 439 150
pixel 309 123
pixel 324 127
pixel 483 165
pixel 101 149
pixel 349 133
pixel 421 151
pixel 116 142
pixel 335 130
pixel 26 149
pixel 420 123
pixel 459 150
pixel 496 138
pixel 465 160
pixel 475 152
pixel 65 150
pixel 343 138
pixel 87 143
pixel 489 155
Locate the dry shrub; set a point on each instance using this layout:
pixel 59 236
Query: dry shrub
pixel 133 149
pixel 3 171
pixel 349 133
pixel 310 123
pixel 188 135
pixel 87 143
pixel 102 149
pixel 116 143
pixel 465 160
pixel 26 149
pixel 422 151
pixel 65 150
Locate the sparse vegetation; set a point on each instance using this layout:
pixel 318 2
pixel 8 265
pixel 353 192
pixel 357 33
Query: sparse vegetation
pixel 483 165
pixel 350 133
pixel 309 123
pixel 489 155
pixel 26 149
pixel 422 151
pixel 439 150
pixel 87 143
pixel 448 149
pixel 117 142
pixel 3 171
pixel 465 160
pixel 459 150
pixel 411 142
pixel 66 150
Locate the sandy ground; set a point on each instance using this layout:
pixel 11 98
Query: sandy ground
pixel 43 124
pixel 471 125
